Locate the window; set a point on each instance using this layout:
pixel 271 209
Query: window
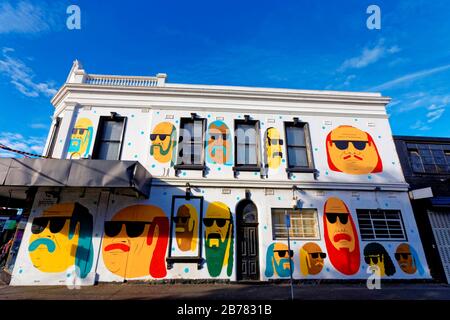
pixel 429 158
pixel 191 145
pixel 304 224
pixel 54 137
pixel 376 224
pixel 247 144
pixel 298 147
pixel 109 138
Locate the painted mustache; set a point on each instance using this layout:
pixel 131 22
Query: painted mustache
pixel 161 150
pixel 349 156
pixel 44 241
pixel 117 246
pixel 342 236
pixel 277 154
pixel 75 145
pixel 282 263
pixel 214 235
pixel 220 148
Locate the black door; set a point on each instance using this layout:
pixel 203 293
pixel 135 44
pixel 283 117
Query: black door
pixel 247 237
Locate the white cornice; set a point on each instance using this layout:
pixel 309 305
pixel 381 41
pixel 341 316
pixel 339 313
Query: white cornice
pixel 195 91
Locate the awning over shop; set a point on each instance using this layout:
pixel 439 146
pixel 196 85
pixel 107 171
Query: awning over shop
pixel 85 173
pixel 440 201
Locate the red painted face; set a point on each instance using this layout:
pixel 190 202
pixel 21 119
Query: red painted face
pixel 341 237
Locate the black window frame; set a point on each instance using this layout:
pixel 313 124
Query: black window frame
pixel 375 238
pixel 182 166
pixel 419 149
pixel 248 167
pixel 308 146
pixel 54 137
pixel 99 140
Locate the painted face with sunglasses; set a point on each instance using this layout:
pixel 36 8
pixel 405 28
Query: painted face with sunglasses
pixel 80 140
pixel 405 259
pixel 51 248
pixel 132 239
pixel 341 237
pixel 219 143
pixel 186 226
pixel 311 259
pixel 274 145
pixel 279 260
pixel 352 151
pixel 163 140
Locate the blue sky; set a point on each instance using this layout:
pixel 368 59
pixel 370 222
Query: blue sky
pixel 290 44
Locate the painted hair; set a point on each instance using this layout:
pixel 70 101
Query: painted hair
pixel 374 248
pixel 158 263
pixel 269 261
pixel 416 261
pixel 84 255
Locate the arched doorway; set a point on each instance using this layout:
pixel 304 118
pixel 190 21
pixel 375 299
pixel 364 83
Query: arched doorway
pixel 247 241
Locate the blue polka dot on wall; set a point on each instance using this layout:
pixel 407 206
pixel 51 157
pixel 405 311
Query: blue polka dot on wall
pixel 157 112
pixel 132 115
pixel 186 270
pixel 153 165
pixel 265 227
pixel 369 177
pixel 184 173
pixel 129 143
pixel 142 132
pixel 237 198
pixel 219 168
pixel 20 271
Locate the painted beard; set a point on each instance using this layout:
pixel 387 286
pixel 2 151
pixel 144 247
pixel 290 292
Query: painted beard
pixel 281 269
pixel 75 145
pixel 161 150
pixel 215 255
pixel 184 239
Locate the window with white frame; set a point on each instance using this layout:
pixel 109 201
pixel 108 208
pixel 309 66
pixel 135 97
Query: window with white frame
pixel 377 224
pixel 304 224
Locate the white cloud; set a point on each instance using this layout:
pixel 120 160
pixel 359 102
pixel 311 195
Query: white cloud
pixel 31 144
pixel 410 77
pixel 369 56
pixel 419 125
pixel 22 18
pixel 21 76
pixel 39 126
pixel 435 115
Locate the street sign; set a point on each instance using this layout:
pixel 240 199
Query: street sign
pixel 287 218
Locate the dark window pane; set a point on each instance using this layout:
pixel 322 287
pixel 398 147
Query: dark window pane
pixel 112 130
pixel 295 136
pixel 297 157
pixel 109 151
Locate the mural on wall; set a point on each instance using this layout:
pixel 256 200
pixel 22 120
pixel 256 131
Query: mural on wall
pixel 274 150
pixel 81 139
pixel 353 151
pixel 341 238
pixel 135 242
pixel 163 143
pixel 311 259
pixel 62 238
pixel 376 255
pixel 219 238
pixel 186 227
pixel 408 259
pixel 279 260
pixel 219 144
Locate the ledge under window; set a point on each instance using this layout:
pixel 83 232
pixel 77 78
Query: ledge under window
pixel 247 168
pixel 301 169
pixel 189 167
pixel 171 260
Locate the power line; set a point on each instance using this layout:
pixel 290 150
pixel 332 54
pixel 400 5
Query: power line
pixel 26 154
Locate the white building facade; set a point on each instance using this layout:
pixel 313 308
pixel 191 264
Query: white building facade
pixel 227 164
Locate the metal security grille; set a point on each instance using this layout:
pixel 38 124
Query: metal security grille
pixel 380 224
pixel 304 224
pixel 440 223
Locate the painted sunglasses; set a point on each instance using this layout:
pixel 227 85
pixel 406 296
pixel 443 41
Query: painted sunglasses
pixel 220 222
pixel 56 224
pixel 283 253
pixel 332 217
pixel 343 144
pixel 133 228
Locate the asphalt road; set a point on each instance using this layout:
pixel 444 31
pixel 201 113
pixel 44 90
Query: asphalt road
pixel 264 291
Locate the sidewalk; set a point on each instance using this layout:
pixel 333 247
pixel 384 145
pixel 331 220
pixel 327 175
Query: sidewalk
pixel 140 291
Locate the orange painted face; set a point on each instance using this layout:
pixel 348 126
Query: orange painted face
pixel 352 151
pixel 311 259
pixel 405 259
pixel 186 225
pixel 219 143
pixel 339 228
pixel 163 139
pixel 132 240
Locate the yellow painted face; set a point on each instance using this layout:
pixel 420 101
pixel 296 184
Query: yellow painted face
pixel 163 142
pixel 126 246
pixel 281 256
pixel 50 248
pixel 405 259
pixel 352 151
pixel 186 226
pixel 217 222
pixel 274 148
pixel 377 260
pixel 80 140
pixel 339 227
